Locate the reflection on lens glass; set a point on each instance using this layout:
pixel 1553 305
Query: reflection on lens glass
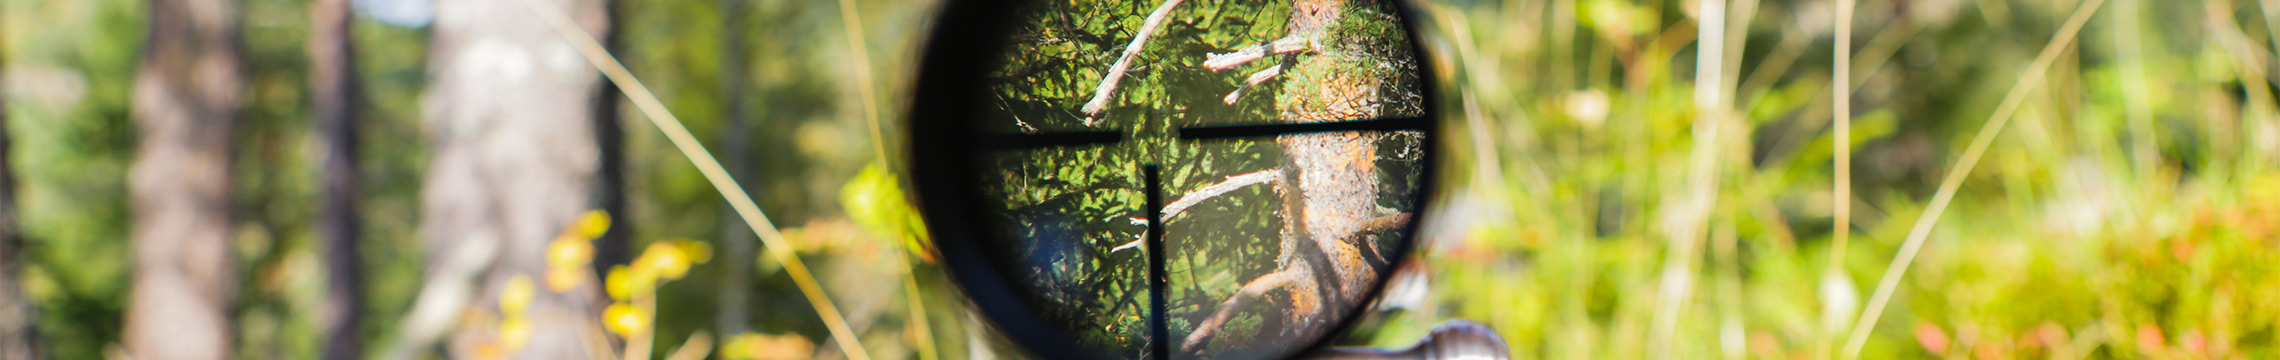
pixel 1271 235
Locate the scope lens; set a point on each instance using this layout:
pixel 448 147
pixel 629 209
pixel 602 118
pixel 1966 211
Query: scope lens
pixel 1285 143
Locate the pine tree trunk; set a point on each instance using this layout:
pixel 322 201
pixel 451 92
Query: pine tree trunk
pixel 187 99
pixel 736 239
pixel 1335 174
pixel 515 161
pixel 1330 181
pixel 333 94
pixel 19 318
pixel 614 247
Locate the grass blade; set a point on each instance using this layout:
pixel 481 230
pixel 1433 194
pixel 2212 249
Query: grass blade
pixel 2028 80
pixel 687 143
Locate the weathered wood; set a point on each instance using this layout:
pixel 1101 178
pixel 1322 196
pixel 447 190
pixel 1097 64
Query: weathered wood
pixel 1247 54
pixel 188 95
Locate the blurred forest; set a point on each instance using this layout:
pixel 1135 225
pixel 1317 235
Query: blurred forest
pixel 1613 191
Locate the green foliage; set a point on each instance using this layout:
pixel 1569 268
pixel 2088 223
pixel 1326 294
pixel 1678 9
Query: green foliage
pixel 73 142
pixel 2060 244
pixel 874 199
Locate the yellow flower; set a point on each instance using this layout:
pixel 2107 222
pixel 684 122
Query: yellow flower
pixel 569 252
pixel 664 260
pixel 740 347
pixel 622 283
pixel 517 296
pixel 751 346
pixel 699 252
pixel 562 279
pixel 625 320
pixel 592 224
pixel 514 333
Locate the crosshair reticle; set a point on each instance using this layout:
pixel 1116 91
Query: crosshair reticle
pixel 1173 179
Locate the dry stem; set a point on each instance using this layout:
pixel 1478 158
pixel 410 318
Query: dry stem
pixel 2028 80
pixel 778 247
pixel 1107 87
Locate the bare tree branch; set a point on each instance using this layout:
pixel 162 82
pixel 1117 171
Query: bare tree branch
pixel 1137 243
pixel 1382 223
pixel 1116 72
pixel 1258 288
pixel 1256 78
pixel 1214 190
pixel 1232 96
pixel 1247 54
pixel 1197 197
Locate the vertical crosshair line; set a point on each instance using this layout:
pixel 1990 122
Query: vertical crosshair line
pixel 1159 335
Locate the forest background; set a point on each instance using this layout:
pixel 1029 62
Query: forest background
pixel 2033 178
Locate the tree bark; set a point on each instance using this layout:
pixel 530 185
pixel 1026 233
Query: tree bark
pixel 516 158
pixel 187 99
pixel 1330 183
pixel 19 318
pixel 736 240
pixel 615 246
pixel 333 97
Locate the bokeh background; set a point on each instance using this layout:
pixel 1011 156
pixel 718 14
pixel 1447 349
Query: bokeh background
pixel 1614 191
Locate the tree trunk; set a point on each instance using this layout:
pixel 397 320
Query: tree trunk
pixel 187 99
pixel 615 246
pixel 1330 181
pixel 736 241
pixel 333 94
pixel 515 161
pixel 19 331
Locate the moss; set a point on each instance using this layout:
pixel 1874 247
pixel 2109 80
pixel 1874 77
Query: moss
pixel 1365 55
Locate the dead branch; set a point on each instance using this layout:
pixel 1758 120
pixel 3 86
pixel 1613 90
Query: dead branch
pixel 1258 288
pixel 1214 190
pixel 1382 223
pixel 1197 197
pixel 1137 243
pixel 1232 96
pixel 1292 44
pixel 1263 75
pixel 1256 78
pixel 1247 54
pixel 1107 87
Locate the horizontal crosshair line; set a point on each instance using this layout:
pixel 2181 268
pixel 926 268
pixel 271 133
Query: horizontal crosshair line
pixel 1244 131
pixel 1089 138
pixel 1054 139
